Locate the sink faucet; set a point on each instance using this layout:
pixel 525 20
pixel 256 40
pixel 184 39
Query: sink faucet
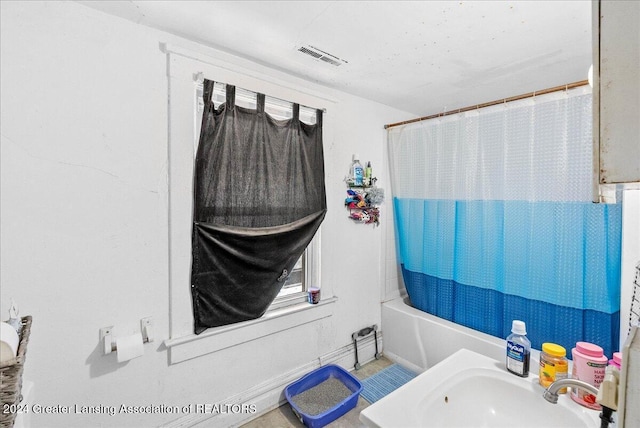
pixel 605 397
pixel 551 393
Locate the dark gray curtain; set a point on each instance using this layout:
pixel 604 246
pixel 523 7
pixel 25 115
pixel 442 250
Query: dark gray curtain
pixel 259 198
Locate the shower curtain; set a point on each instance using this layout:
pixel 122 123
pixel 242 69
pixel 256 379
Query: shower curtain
pixel 494 221
pixel 259 198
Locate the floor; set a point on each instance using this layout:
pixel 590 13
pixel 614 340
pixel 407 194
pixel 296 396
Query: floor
pixel 283 417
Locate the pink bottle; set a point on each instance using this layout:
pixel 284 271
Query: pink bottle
pixel 589 364
pixel 616 361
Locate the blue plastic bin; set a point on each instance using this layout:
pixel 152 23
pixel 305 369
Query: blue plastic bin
pixel 316 377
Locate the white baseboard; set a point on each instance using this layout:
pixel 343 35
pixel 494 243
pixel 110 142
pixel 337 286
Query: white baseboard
pixel 269 395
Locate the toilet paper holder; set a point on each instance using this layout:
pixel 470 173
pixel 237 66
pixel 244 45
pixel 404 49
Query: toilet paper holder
pixel 108 340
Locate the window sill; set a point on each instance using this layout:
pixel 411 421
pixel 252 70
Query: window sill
pixel 275 320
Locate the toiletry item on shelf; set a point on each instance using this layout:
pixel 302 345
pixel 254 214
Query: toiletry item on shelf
pixel 553 365
pixel 616 361
pixel 518 349
pixel 357 172
pixel 589 364
pixel 367 174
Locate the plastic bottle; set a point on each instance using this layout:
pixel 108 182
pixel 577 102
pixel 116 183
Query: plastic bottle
pixel 518 349
pixel 357 173
pixel 367 173
pixel 553 365
pixel 616 361
pixel 589 364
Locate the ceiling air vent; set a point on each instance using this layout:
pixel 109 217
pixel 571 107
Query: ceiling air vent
pixel 321 55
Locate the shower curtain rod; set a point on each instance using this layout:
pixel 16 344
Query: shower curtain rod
pixel 492 103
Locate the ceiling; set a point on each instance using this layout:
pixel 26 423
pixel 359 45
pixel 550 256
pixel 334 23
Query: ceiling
pixel 423 57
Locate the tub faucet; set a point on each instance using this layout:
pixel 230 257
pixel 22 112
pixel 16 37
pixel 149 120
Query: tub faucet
pixel 551 393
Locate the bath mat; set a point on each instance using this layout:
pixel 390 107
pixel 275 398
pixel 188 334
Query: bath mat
pixel 385 381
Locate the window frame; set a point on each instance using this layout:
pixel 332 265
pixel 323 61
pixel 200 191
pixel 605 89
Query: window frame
pixel 184 67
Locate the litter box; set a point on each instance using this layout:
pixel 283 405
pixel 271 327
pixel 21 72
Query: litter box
pixel 329 373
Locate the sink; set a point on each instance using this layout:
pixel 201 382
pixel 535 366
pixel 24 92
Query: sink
pixel 471 390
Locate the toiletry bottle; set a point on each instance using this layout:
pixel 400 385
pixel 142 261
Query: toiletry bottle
pixel 553 365
pixel 357 173
pixel 616 361
pixel 518 349
pixel 367 174
pixel 589 364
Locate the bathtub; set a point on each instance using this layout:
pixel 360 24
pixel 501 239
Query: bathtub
pixel 418 340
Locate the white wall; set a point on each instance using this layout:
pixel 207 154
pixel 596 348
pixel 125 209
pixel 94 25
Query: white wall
pixel 630 257
pixel 84 221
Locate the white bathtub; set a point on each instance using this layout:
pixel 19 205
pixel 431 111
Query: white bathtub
pixel 418 340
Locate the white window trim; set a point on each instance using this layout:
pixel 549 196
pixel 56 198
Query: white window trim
pixel 184 67
pixel 274 321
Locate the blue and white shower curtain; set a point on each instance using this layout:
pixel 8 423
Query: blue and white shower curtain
pixel 494 221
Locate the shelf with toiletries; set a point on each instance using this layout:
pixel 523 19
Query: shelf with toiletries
pixel 363 195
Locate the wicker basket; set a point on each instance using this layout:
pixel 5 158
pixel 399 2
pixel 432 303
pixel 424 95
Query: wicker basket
pixel 11 376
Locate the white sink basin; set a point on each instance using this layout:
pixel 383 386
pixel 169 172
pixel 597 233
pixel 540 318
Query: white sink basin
pixel 471 390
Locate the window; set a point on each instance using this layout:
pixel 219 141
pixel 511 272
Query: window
pixel 277 108
pixel 184 69
pixel 296 282
pixel 295 288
